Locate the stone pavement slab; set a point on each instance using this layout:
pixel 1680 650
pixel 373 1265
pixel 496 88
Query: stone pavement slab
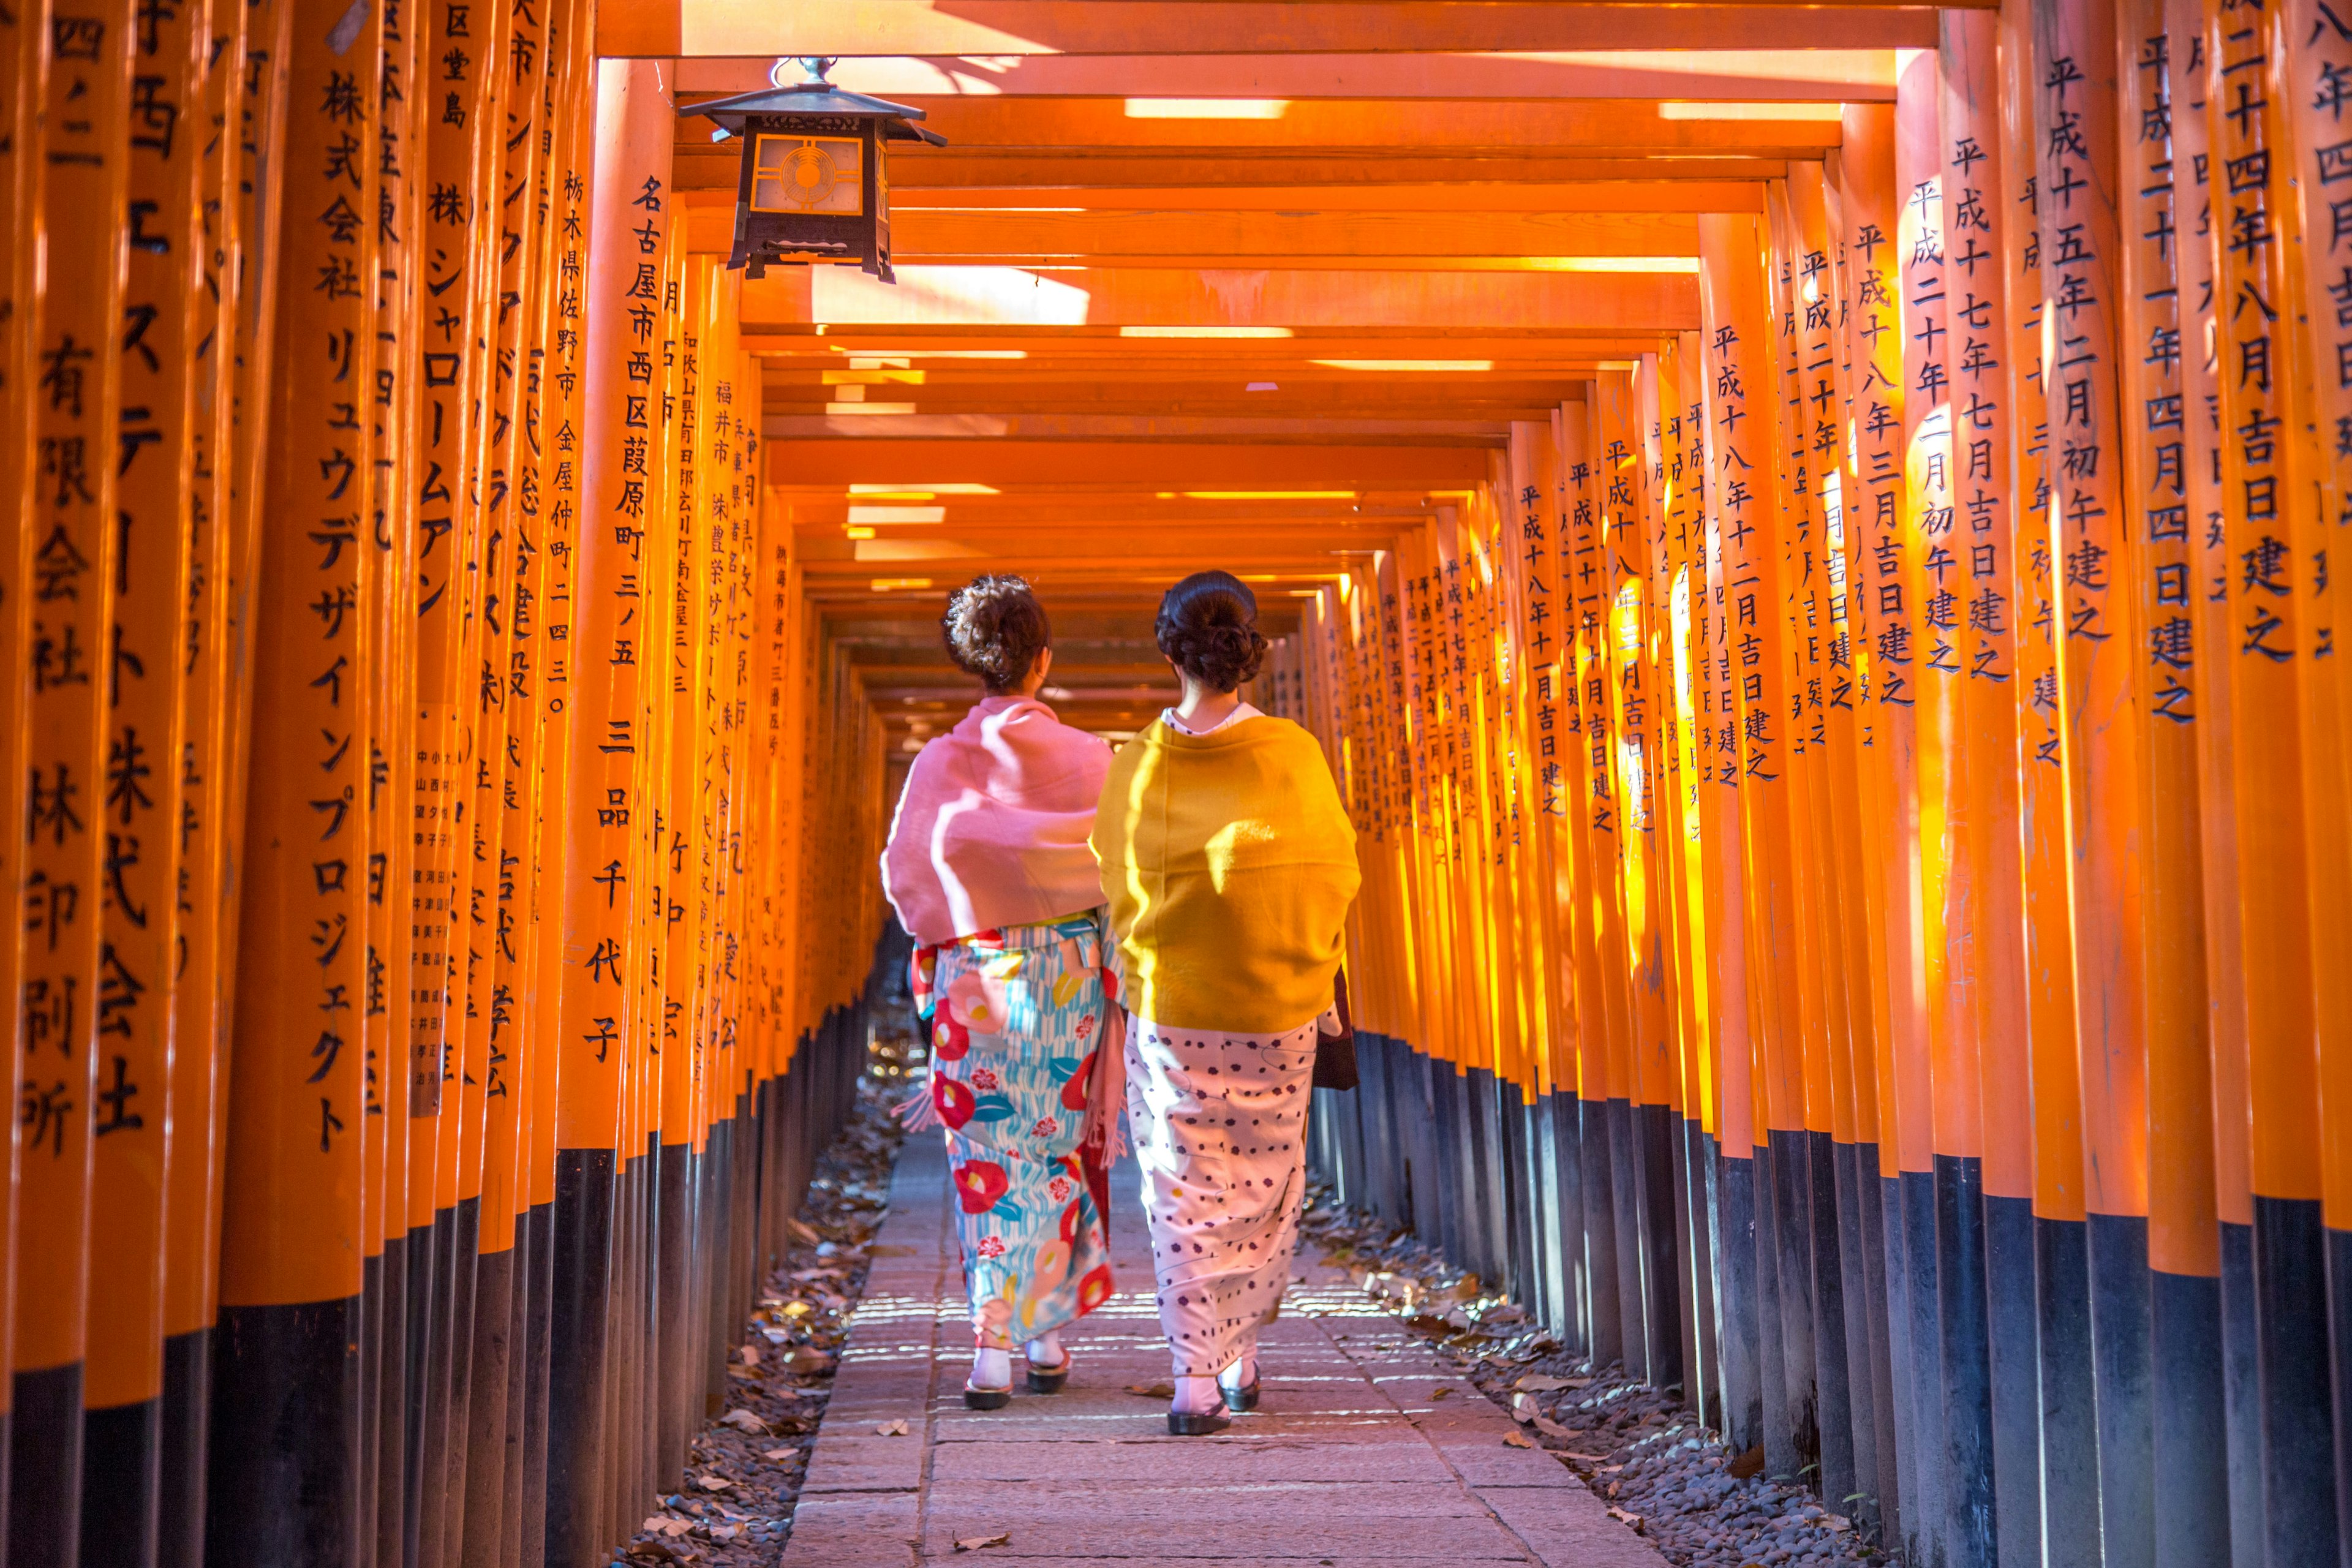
pixel 1348 1462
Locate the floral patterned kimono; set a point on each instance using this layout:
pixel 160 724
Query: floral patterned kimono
pixel 1016 1017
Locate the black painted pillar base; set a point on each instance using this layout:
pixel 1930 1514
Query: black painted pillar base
pixel 2187 1409
pixel 2016 1379
pixel 1743 1392
pixel 186 1426
pixel 2291 1266
pixel 286 1437
pixel 2070 1425
pixel 122 1484
pixel 579 1296
pixel 45 1442
pixel 1965 1360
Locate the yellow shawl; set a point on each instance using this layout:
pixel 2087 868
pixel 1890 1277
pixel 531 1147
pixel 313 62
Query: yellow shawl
pixel 1229 864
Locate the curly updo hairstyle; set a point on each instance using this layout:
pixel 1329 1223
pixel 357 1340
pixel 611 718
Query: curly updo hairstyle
pixel 994 628
pixel 1208 626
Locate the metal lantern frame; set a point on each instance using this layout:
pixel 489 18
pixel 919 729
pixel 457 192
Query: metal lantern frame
pixel 811 189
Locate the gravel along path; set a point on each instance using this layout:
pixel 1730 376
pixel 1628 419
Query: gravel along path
pixel 1642 1452
pixel 743 1474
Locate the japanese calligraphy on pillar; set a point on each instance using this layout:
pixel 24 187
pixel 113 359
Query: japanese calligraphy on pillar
pixel 453 95
pixel 2100 743
pixel 296 1098
pixel 74 329
pixel 137 957
pixel 618 417
pixel 2269 523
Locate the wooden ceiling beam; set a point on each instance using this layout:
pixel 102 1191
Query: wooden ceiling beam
pixel 1176 236
pixel 701 166
pixel 1104 349
pixel 1675 195
pixel 852 28
pixel 1538 127
pixel 1169 465
pixel 1857 75
pixel 1141 297
pixel 1052 426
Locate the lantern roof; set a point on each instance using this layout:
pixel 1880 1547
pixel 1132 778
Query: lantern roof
pixel 815 95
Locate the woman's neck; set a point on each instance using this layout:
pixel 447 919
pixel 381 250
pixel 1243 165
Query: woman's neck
pixel 1203 710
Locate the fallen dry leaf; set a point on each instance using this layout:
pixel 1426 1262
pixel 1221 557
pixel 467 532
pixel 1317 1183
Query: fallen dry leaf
pixel 1549 1427
pixel 1536 1384
pixel 713 1483
pixel 802 1232
pixel 751 1354
pixel 744 1420
pixel 1519 1439
pixel 891 1430
pixel 1153 1390
pixel 805 1361
pixel 981 1543
pixel 1437 1394
pixel 1586 1458
pixel 1523 1408
pixel 1630 1520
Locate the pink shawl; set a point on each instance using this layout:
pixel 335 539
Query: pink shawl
pixel 991 830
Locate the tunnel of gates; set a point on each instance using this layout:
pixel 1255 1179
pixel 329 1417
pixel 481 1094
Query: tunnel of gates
pixel 1836 685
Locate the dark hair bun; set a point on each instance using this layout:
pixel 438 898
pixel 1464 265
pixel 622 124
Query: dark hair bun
pixel 1207 625
pixel 995 629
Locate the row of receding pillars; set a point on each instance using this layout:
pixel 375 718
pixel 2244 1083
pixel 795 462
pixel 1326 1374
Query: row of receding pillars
pixel 432 956
pixel 1856 814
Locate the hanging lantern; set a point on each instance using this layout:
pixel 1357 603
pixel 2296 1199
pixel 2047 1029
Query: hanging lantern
pixel 812 190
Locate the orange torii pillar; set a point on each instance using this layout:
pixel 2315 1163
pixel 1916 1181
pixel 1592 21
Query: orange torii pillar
pixel 286 1395
pixel 1980 353
pixel 633 133
pixel 2272 636
pixel 2189 1495
pixel 63 522
pixel 138 959
pixel 2193 213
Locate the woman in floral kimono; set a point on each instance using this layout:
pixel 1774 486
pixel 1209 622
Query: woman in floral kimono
pixel 988 868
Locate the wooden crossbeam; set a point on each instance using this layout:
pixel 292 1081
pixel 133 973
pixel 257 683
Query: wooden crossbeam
pixel 1206 237
pixel 1169 465
pixel 1119 296
pixel 1856 75
pixel 1094 350
pixel 1493 432
pixel 651 29
pixel 1661 193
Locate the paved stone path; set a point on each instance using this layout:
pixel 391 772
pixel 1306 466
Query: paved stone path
pixel 1348 1462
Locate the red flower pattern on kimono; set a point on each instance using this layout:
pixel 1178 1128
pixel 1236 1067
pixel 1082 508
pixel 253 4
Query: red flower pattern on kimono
pixel 979 1183
pixel 950 1041
pixel 1095 1289
pixel 1074 1093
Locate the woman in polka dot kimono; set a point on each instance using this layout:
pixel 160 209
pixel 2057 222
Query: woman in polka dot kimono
pixel 988 868
pixel 1229 864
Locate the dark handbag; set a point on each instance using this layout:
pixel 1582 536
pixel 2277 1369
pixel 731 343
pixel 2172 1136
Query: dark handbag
pixel 1335 1055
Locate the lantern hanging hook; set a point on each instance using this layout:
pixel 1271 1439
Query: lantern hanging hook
pixel 812 66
